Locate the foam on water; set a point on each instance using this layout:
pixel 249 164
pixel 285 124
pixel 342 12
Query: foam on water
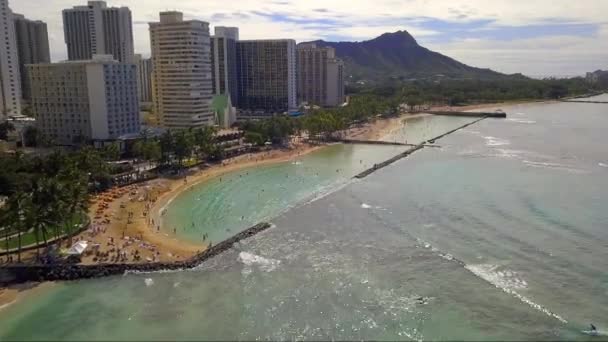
pixel 149 282
pixel 493 141
pixel 602 164
pixel 250 260
pixel 521 121
pixel 554 166
pixel 366 206
pixel 508 282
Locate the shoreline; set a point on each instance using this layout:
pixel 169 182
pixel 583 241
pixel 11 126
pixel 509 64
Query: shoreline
pixel 129 217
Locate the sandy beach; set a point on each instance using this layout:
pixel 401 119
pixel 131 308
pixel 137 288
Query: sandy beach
pixel 127 222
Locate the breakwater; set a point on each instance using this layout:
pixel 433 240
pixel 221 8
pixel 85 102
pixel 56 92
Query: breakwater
pixel 388 162
pixel 21 273
pixel 581 101
pixel 372 142
pixel 412 150
pixel 469 114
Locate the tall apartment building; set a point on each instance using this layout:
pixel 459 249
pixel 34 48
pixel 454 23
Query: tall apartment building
pixel 320 76
pixel 223 61
pixel 78 101
pixel 266 75
pixel 32 47
pixel 144 78
pixel 335 83
pixel 96 29
pixel 10 88
pixel 181 76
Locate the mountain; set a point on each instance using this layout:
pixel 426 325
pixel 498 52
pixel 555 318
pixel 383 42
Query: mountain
pixel 398 54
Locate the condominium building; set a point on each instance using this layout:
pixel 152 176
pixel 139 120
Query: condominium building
pixel 181 76
pixel 79 101
pixel 335 83
pixel 144 78
pixel 32 47
pixel 96 29
pixel 320 76
pixel 266 75
pixel 10 88
pixel 223 61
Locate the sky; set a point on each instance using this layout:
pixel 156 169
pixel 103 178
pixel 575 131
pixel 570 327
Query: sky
pixel 534 37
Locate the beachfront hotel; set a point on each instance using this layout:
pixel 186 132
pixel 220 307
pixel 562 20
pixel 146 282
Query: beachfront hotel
pixel 10 87
pixel 181 76
pixel 32 47
pixel 144 79
pixel 79 101
pixel 320 76
pixel 223 61
pixel 266 76
pixel 96 29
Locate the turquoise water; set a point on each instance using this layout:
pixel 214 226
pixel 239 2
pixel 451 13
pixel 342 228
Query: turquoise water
pixel 501 234
pixel 225 205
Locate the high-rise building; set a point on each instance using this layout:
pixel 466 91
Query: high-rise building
pixel 96 29
pixel 79 101
pixel 320 76
pixel 10 88
pixel 181 75
pixel 32 47
pixel 335 83
pixel 266 76
pixel 144 78
pixel 223 61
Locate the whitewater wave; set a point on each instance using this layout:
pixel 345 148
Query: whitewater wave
pixel 493 141
pixel 366 206
pixel 554 166
pixel 521 121
pixel 149 282
pixel 297 162
pixel 602 165
pixel 251 260
pixel 508 281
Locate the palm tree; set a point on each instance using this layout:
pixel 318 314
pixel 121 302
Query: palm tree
pixel 16 213
pixel 74 199
pixel 46 203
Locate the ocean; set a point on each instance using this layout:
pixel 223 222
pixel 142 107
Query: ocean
pixel 500 234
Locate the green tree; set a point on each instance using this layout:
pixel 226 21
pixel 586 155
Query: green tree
pixel 31 137
pixel 184 145
pixel 111 151
pixel 5 128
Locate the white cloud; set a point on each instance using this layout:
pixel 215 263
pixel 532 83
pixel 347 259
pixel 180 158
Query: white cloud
pixel 364 19
pixel 545 56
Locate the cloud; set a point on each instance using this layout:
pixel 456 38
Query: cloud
pixel 466 29
pixel 559 55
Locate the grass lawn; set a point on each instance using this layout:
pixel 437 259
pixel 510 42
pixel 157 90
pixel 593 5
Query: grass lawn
pixel 30 237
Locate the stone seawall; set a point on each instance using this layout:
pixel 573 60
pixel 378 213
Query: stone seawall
pixel 405 154
pixel 14 274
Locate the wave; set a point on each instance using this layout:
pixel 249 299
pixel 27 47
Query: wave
pixel 366 206
pixel 493 141
pixel 264 264
pixel 521 121
pixel 508 282
pixel 554 166
pixel 602 164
